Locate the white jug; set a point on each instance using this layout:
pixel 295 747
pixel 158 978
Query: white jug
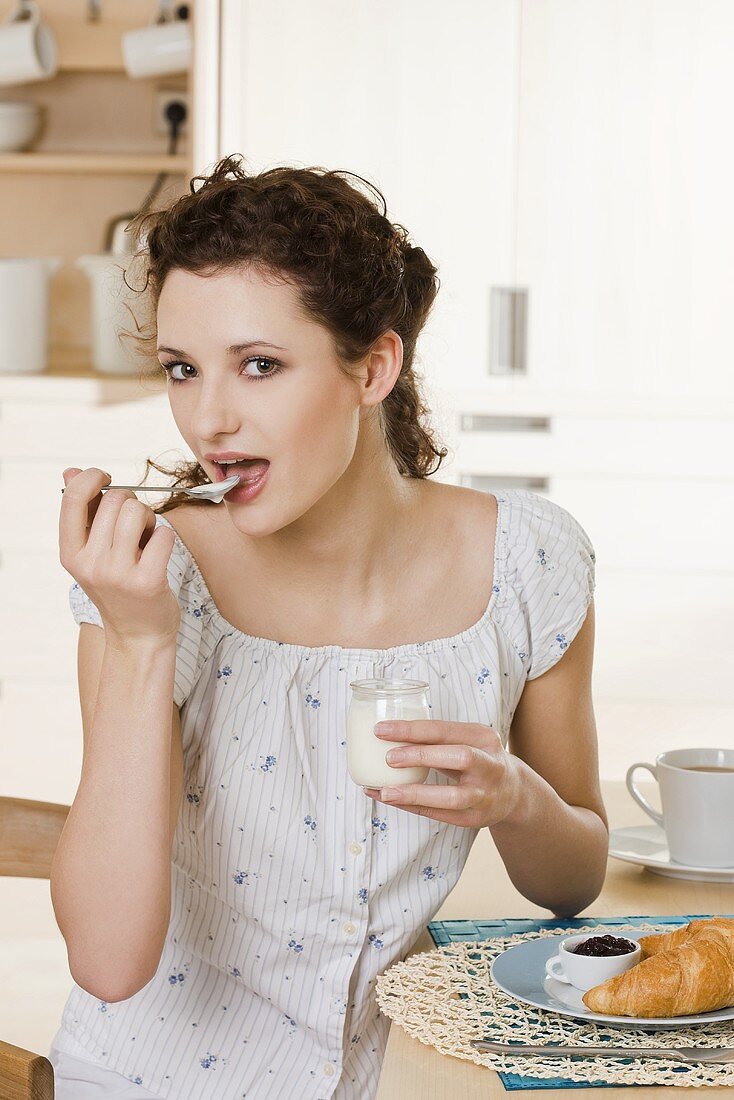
pixel 24 313
pixel 109 314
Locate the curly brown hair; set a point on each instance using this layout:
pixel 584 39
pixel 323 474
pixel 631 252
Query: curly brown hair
pixel 356 273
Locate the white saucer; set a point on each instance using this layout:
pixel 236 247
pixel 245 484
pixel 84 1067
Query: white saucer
pixel 647 846
pixel 520 972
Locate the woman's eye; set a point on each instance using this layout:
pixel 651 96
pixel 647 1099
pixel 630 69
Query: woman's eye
pixel 169 368
pixel 259 361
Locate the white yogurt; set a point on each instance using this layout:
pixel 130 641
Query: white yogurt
pixel 376 701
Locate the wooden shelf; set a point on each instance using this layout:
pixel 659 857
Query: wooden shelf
pixel 102 164
pixel 70 376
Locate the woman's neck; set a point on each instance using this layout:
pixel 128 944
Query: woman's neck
pixel 356 534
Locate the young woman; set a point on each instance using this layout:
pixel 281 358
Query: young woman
pixel 227 894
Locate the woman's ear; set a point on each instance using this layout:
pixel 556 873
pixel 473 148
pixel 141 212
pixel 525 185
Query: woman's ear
pixel 383 365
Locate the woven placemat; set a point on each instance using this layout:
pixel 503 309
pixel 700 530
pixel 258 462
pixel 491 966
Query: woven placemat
pixel 445 998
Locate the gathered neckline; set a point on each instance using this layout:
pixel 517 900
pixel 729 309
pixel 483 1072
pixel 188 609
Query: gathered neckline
pixel 406 649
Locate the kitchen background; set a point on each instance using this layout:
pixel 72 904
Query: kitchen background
pixel 568 166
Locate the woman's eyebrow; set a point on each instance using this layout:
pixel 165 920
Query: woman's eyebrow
pixel 233 349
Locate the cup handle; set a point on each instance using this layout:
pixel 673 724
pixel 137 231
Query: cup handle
pixel 639 798
pixel 18 15
pixel 554 969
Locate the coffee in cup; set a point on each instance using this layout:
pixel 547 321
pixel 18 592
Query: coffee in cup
pixel 697 799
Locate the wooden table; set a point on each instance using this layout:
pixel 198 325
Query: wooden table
pixel 413 1070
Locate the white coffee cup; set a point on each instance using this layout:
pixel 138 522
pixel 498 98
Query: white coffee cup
pixel 586 971
pixel 697 805
pixel 28 49
pixel 25 312
pixel 157 50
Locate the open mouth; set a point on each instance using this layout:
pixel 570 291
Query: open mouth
pixel 249 469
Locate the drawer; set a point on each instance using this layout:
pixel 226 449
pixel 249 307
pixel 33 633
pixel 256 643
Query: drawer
pixel 129 431
pixel 591 447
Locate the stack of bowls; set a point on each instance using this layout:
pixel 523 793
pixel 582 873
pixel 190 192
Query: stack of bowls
pixel 19 125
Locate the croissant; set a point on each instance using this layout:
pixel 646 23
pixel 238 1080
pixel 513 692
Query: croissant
pixel 695 976
pixel 651 945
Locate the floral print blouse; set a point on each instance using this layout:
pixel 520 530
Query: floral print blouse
pixel 291 889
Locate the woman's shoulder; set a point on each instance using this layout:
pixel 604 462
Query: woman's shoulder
pixel 547 566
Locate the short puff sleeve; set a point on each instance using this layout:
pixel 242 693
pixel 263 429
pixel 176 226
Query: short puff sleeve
pixel 554 567
pixel 185 584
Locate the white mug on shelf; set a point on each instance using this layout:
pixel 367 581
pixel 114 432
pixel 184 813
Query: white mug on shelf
pixel 24 313
pixel 161 48
pixel 697 798
pixel 28 49
pixel 111 300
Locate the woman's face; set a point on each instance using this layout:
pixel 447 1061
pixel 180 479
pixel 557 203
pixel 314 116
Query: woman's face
pixel 283 398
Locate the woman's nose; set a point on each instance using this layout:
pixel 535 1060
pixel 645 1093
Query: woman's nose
pixel 215 416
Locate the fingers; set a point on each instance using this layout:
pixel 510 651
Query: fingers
pixel 135 522
pixel 102 536
pixel 434 732
pixel 157 551
pixel 82 496
pixel 443 797
pixel 452 757
pixel 138 538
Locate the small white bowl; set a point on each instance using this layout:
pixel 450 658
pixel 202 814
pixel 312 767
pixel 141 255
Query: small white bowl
pixel 585 971
pixel 19 124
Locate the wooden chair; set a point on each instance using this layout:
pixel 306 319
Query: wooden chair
pixel 29 833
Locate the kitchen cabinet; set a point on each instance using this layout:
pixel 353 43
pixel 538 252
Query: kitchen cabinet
pixel 96 157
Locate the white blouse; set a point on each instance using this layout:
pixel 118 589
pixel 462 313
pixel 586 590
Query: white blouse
pixel 291 889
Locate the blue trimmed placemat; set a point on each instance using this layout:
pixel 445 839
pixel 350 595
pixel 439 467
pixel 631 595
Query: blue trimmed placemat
pixel 444 932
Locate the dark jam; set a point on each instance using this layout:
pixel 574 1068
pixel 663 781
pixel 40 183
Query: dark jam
pixel 603 945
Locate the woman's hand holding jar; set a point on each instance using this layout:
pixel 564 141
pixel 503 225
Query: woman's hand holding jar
pixel 488 778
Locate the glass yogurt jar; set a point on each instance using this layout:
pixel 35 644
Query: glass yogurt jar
pixel 376 701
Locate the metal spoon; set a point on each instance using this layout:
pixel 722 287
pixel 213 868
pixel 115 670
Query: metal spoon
pixel 214 490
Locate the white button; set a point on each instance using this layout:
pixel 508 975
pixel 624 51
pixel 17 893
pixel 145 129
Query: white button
pixel 350 928
pixel 355 849
pixel 328 1069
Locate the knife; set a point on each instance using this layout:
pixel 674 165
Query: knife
pixel 678 1054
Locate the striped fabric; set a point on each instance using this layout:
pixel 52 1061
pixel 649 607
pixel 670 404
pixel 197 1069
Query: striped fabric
pixel 291 889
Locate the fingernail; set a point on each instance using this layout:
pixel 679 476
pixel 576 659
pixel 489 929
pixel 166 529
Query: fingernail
pixel 390 794
pixel 384 729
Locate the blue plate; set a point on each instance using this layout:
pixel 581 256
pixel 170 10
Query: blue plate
pixel 520 972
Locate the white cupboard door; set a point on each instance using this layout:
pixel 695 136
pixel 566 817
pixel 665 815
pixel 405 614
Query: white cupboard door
pixel 418 98
pixel 625 218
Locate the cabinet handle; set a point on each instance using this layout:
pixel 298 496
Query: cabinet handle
pixel 490 482
pixel 478 422
pixel 508 324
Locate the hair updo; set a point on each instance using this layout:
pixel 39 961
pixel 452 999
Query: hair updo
pixel 356 273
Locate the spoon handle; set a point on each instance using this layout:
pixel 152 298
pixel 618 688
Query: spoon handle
pixel 141 488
